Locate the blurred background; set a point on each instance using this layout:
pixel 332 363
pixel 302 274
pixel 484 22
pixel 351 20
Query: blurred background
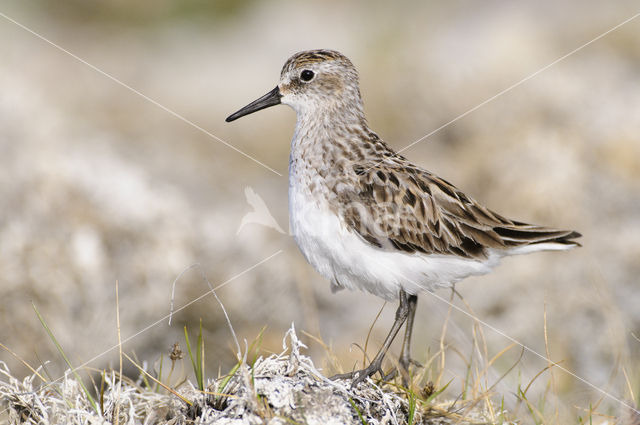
pixel 98 184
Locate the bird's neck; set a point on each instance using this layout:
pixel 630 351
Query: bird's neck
pixel 329 123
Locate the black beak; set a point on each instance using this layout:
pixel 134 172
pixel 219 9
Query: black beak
pixel 270 99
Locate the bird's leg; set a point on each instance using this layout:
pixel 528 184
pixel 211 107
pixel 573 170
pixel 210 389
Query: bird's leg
pixel 376 364
pixel 405 357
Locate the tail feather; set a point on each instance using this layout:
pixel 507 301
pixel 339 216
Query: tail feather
pixel 529 238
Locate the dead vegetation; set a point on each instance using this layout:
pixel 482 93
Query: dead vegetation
pixel 277 389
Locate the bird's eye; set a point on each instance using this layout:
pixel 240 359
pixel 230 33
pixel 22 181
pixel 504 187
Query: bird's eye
pixel 307 75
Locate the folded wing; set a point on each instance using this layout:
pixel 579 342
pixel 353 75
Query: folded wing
pixel 400 207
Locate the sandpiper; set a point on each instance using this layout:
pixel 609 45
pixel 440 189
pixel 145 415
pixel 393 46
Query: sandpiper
pixel 365 217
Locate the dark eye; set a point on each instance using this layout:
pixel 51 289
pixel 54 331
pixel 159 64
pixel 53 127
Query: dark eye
pixel 306 75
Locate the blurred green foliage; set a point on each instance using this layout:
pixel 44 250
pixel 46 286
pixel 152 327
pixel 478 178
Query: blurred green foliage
pixel 143 12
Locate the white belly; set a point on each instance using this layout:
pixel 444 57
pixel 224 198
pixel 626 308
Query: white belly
pixel 348 261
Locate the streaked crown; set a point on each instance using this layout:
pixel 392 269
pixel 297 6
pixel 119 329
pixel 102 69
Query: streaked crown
pixel 310 57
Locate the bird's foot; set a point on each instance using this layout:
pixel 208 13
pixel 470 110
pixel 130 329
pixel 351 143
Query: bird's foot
pixel 361 375
pixel 375 367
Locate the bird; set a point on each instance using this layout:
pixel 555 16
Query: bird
pixel 366 218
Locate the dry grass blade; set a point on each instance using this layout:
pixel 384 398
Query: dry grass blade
pixel 628 381
pixel 479 339
pixel 366 341
pixel 484 396
pixel 501 353
pixel 442 345
pixel 148 375
pixel 538 375
pixel 27 365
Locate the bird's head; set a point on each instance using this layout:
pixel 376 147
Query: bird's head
pixel 312 82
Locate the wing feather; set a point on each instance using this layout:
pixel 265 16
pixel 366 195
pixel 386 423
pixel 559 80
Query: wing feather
pixel 402 207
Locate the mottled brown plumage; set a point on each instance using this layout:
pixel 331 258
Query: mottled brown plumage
pixel 413 210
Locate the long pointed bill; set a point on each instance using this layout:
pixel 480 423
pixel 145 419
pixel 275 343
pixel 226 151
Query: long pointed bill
pixel 270 99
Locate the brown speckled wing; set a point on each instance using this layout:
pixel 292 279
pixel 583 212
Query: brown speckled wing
pixel 401 207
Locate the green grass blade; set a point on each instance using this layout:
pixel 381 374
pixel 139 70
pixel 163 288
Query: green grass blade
pixel 102 375
pixel 362 418
pixel 195 362
pixel 529 407
pixel 412 408
pixel 223 385
pixel 200 356
pixel 256 345
pixel 66 359
pixel 186 338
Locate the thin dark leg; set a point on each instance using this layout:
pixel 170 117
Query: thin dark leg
pixel 376 364
pixel 405 357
